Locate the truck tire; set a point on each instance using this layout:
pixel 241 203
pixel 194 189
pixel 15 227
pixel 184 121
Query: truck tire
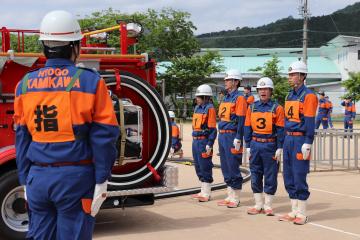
pixel 14 218
pixel 153 102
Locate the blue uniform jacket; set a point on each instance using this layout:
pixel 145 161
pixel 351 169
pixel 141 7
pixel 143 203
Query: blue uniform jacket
pixel 205 113
pixel 277 122
pixel 305 121
pixel 55 125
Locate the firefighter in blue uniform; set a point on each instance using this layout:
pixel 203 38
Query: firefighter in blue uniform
pixel 330 112
pixel 232 111
pixel 264 137
pixel 175 137
pixel 65 137
pixel 300 110
pixel 350 113
pixel 204 134
pixel 323 112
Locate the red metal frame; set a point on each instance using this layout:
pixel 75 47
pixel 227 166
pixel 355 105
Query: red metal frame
pixel 12 72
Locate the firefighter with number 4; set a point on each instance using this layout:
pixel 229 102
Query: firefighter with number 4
pixel 204 134
pixel 264 137
pixel 300 110
pixel 65 136
pixel 232 113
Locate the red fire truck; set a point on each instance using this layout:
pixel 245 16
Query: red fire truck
pixel 140 172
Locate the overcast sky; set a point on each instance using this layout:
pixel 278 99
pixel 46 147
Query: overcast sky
pixel 207 15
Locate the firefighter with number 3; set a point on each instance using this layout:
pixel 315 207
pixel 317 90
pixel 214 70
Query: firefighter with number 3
pixel 232 113
pixel 300 110
pixel 204 134
pixel 264 137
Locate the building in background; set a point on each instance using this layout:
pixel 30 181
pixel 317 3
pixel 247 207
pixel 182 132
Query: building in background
pixel 328 65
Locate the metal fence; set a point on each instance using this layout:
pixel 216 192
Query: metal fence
pixel 332 150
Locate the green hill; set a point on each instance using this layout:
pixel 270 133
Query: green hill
pixel 287 32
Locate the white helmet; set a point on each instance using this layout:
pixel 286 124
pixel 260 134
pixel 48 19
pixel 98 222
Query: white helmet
pixel 60 26
pixel 171 114
pixel 233 74
pixel 298 67
pixel 204 90
pixel 265 82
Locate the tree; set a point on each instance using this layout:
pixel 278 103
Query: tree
pixel 352 85
pixel 167 34
pixel 186 73
pixel 272 70
pixel 171 34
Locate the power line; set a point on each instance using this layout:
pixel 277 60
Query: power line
pixel 337 29
pixel 251 35
pixel 275 33
pixel 319 31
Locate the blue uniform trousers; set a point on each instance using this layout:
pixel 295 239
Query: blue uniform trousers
pixel 348 124
pixel 319 119
pixel 55 202
pixel 295 168
pixel 230 163
pixel 330 121
pixel 203 166
pixel 177 147
pixel 262 165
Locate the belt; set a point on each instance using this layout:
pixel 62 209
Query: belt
pixel 264 140
pixel 295 133
pixel 200 138
pixel 227 131
pixel 63 164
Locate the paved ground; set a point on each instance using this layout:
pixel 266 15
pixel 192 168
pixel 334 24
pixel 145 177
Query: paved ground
pixel 333 209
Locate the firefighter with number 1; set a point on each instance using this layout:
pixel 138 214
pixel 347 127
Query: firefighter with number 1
pixel 204 134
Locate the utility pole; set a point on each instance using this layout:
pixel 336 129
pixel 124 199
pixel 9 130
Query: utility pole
pixel 163 89
pixel 304 12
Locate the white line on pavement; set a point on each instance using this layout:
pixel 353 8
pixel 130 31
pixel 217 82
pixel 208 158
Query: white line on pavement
pixel 329 228
pixel 99 223
pixel 335 193
pixel 335 229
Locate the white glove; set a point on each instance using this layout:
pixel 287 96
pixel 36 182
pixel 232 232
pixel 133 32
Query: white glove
pixel 237 144
pixel 25 193
pixel 278 154
pixel 305 149
pixel 172 150
pixel 208 149
pixel 99 197
pixel 248 153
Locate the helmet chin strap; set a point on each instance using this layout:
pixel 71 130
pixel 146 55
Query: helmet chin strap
pixel 75 54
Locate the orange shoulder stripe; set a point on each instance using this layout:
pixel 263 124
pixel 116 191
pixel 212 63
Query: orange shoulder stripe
pixel 248 117
pixel 310 105
pixel 211 118
pixel 103 110
pixel 280 116
pixel 241 106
